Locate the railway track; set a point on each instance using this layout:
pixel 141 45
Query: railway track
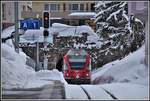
pixel 90 96
pixel 87 94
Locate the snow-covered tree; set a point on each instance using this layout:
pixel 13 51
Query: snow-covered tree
pixel 118 32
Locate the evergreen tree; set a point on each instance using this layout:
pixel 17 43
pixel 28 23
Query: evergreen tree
pixel 119 33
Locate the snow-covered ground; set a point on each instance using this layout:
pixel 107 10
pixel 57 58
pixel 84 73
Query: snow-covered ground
pixel 130 76
pixel 129 69
pixel 16 74
pixel 128 80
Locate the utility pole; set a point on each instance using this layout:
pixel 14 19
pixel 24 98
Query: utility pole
pixel 16 27
pixel 37 56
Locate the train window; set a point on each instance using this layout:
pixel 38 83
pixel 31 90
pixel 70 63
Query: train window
pixel 77 57
pixel 77 65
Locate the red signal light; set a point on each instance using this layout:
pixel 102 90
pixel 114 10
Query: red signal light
pixel 46 18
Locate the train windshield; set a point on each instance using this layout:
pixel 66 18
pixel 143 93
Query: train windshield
pixel 77 62
pixel 77 65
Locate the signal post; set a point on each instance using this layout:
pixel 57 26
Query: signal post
pixel 45 34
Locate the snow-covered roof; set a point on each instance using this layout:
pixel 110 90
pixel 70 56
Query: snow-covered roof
pixel 82 14
pixel 32 36
pixel 67 30
pixel 36 35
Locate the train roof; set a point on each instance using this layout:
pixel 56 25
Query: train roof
pixel 76 51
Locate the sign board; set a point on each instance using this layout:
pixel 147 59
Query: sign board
pixel 30 24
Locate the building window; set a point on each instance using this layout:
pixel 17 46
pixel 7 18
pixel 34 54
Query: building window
pixel 64 6
pixel 73 7
pixel 54 7
pixel 86 6
pixel 92 7
pixel 3 11
pixel 81 7
pixel 46 7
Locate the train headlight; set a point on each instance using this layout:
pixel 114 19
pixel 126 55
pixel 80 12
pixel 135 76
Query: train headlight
pixel 77 76
pixel 87 74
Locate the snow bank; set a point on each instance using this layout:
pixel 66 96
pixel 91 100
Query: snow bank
pixel 83 14
pixel 127 90
pixel 67 30
pixel 16 74
pixel 44 77
pixel 96 92
pixel 14 71
pixel 74 92
pixel 130 69
pixel 51 75
pixel 120 91
pixel 7 32
pixel 60 25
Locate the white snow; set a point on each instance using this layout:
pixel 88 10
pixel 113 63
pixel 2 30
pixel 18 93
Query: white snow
pixel 96 92
pixel 131 69
pixel 14 71
pixel 121 91
pixel 74 92
pixel 67 30
pixel 82 14
pixel 7 32
pixel 113 14
pixel 36 35
pixel 138 20
pixel 127 90
pixel 16 74
pixel 32 36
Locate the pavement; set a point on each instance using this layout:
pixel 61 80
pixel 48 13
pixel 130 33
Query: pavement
pixel 52 91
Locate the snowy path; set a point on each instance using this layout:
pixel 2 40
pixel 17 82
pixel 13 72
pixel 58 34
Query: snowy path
pixel 51 91
pixel 107 91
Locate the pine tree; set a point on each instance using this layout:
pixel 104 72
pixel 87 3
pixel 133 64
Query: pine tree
pixel 118 32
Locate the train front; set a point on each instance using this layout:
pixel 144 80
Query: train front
pixel 77 66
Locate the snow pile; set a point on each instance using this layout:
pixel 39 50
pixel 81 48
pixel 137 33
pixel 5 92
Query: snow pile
pixel 14 71
pixel 129 69
pixel 118 90
pixel 74 92
pixel 16 74
pixel 60 25
pixel 44 77
pixel 67 30
pixel 51 75
pixel 7 32
pixel 32 36
pixel 83 14
pixel 127 90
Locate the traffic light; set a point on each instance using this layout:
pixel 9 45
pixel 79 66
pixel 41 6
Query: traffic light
pixel 45 33
pixel 46 19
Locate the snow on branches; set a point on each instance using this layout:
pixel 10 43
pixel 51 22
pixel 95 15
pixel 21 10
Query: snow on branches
pixel 116 29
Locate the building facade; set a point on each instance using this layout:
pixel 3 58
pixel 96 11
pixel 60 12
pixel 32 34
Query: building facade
pixel 7 9
pixel 67 12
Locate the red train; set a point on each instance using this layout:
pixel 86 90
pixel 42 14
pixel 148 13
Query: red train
pixel 77 66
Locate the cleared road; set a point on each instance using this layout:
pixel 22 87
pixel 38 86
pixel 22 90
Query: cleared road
pixel 52 91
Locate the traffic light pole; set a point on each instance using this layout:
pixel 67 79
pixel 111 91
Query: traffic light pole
pixel 45 34
pixel 45 52
pixel 16 27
